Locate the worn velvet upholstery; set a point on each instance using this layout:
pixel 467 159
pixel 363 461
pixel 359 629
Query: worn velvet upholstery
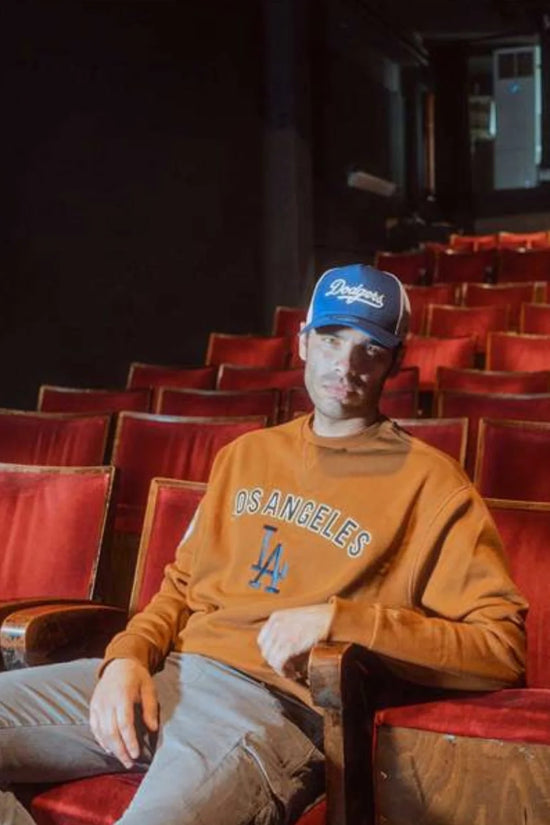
pixel 175 401
pixel 429 353
pixel 453 322
pixel 287 320
pixel 77 399
pixel 453 266
pixel 513 458
pixel 58 439
pixel 523 264
pixel 157 375
pixel 170 508
pixel 535 319
pixel 410 267
pixel 234 377
pixel 528 353
pixel 511 295
pixel 525 240
pixel 491 382
pixel 471 243
pixel 421 296
pixel 248 350
pixel 51 529
pixel 446 434
pixel 527 407
pixel 173 447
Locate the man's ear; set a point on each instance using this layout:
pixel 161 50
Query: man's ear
pixel 397 360
pixel 302 342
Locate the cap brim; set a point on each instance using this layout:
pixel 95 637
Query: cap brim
pixel 379 335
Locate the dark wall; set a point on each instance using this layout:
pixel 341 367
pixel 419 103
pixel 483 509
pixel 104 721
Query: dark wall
pixel 453 174
pixel 131 152
pixel 358 124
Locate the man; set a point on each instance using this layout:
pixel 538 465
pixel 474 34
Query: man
pixel 338 526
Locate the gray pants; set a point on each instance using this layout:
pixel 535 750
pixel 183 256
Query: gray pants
pixel 228 751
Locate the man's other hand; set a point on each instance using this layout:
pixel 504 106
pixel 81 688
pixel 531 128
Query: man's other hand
pixel 289 633
pixel 124 684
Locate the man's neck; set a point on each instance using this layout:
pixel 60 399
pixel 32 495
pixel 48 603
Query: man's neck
pixel 341 428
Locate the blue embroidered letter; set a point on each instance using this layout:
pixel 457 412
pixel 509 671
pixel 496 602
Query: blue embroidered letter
pixel 268 563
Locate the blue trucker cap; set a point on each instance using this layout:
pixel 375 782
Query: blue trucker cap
pixel 364 298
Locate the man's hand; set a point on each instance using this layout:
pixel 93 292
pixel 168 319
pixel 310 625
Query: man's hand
pixel 289 633
pixel 124 684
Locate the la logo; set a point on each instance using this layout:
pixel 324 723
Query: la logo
pixel 269 563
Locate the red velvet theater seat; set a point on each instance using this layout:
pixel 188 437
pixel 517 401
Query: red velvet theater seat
pixel 512 460
pixel 527 353
pixel 429 353
pixel 169 446
pixel 471 243
pixel 491 381
pixel 453 266
pixel 176 401
pixel 52 521
pixel 523 264
pixel 446 434
pixel 512 295
pixel 56 439
pixel 408 378
pixel 248 350
pixel 52 527
pixel 171 505
pixel 453 322
pixel 399 403
pixel 535 319
pixel 524 240
pixel 158 375
pixel 473 405
pixel 410 267
pixel 234 377
pixel 421 296
pixel 287 322
pixel 486 758
pixel 78 399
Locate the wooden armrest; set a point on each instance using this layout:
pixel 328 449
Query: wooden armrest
pixel 11 605
pixel 343 682
pixel 47 633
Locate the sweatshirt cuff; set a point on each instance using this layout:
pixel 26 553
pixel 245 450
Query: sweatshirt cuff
pixel 131 646
pixel 353 622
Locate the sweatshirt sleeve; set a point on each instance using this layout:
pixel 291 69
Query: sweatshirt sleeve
pixel 464 627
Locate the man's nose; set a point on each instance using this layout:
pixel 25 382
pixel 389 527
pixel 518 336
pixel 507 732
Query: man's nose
pixel 344 360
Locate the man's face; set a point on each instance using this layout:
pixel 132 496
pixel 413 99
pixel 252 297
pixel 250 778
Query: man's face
pixel 344 372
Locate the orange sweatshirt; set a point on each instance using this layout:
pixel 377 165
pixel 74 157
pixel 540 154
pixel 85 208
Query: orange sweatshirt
pixel 380 524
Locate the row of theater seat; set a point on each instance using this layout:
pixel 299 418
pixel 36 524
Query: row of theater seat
pixel 146 445
pixel 510 306
pixel 442 264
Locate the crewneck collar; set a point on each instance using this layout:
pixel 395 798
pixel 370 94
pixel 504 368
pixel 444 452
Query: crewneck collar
pixel 343 441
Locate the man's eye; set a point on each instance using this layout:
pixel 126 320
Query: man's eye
pixel 329 339
pixel 373 350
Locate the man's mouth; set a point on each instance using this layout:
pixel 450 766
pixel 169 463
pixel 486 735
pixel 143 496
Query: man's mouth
pixel 339 391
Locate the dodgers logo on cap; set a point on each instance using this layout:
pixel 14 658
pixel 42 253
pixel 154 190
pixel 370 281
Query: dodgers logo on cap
pixel 364 298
